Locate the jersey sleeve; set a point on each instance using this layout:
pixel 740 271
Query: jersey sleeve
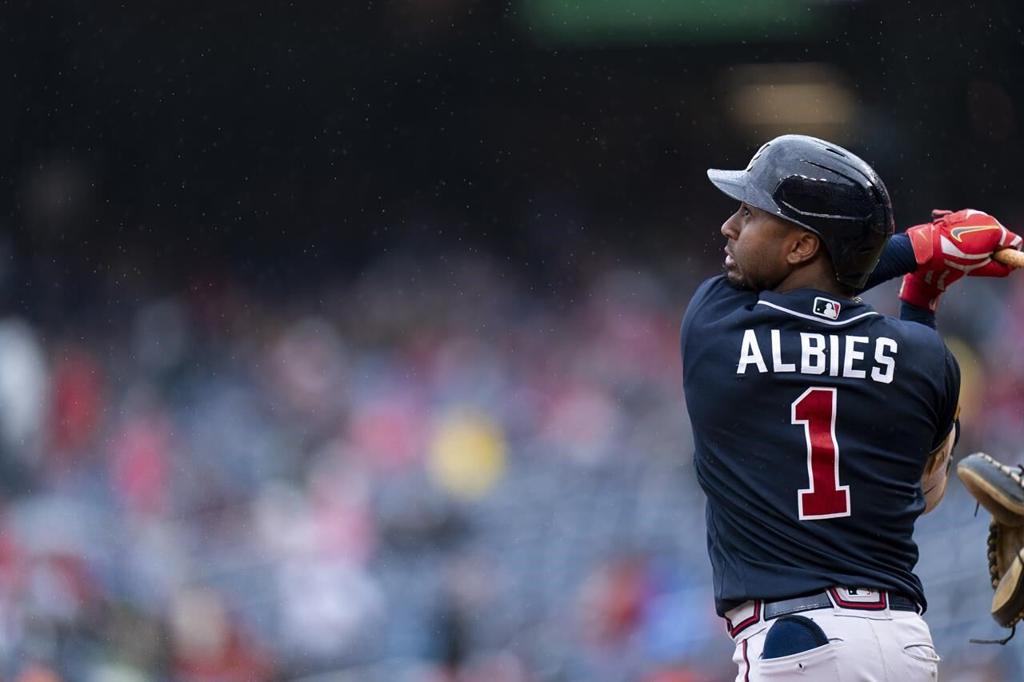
pixel 897 259
pixel 949 399
pixel 911 313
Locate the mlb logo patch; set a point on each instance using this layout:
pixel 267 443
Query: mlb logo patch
pixel 826 307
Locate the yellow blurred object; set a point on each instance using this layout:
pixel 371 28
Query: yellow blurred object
pixel 467 455
pixel 808 98
pixel 972 378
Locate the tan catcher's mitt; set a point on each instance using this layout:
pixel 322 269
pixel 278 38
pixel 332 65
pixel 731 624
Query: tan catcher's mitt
pixel 1000 490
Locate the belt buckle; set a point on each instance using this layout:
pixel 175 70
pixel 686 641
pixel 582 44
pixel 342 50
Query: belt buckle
pixel 859 598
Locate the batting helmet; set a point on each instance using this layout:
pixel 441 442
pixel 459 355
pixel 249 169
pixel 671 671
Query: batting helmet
pixel 824 188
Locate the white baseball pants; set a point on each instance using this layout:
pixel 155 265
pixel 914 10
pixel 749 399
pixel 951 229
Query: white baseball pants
pixel 863 646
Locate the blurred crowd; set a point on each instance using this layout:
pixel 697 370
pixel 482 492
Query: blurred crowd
pixel 339 341
pixel 434 471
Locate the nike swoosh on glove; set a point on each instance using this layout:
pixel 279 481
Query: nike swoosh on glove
pixel 953 245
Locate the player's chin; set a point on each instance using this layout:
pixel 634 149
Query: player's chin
pixel 733 276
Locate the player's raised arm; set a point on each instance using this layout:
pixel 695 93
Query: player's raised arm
pixel 953 245
pixel 932 256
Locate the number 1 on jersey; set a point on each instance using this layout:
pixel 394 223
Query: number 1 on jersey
pixel 815 409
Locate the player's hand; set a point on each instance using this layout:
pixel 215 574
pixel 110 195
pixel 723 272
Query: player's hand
pixel 951 246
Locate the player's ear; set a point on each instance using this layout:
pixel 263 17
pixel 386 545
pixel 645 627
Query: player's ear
pixel 803 247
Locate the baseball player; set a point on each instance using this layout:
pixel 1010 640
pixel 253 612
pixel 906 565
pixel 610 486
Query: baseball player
pixel 823 429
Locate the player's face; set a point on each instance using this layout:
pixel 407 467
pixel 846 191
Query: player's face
pixel 756 248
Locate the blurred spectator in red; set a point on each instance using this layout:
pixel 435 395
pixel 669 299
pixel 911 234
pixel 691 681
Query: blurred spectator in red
pixel 78 404
pixel 38 672
pixel 613 601
pixel 209 647
pixel 141 453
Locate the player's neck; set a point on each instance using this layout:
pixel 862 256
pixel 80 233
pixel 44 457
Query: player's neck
pixel 812 278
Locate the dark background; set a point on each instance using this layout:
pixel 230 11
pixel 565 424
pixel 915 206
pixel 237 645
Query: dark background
pixel 290 141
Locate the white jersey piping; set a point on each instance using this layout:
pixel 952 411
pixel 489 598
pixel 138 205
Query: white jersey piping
pixel 830 323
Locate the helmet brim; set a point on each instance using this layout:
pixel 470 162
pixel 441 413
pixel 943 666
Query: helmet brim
pixel 736 184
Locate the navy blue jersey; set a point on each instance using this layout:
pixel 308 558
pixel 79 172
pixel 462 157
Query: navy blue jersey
pixel 813 417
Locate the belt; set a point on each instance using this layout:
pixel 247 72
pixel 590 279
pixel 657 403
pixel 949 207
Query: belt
pixel 821 600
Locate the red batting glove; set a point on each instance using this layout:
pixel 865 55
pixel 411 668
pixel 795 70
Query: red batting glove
pixel 951 246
